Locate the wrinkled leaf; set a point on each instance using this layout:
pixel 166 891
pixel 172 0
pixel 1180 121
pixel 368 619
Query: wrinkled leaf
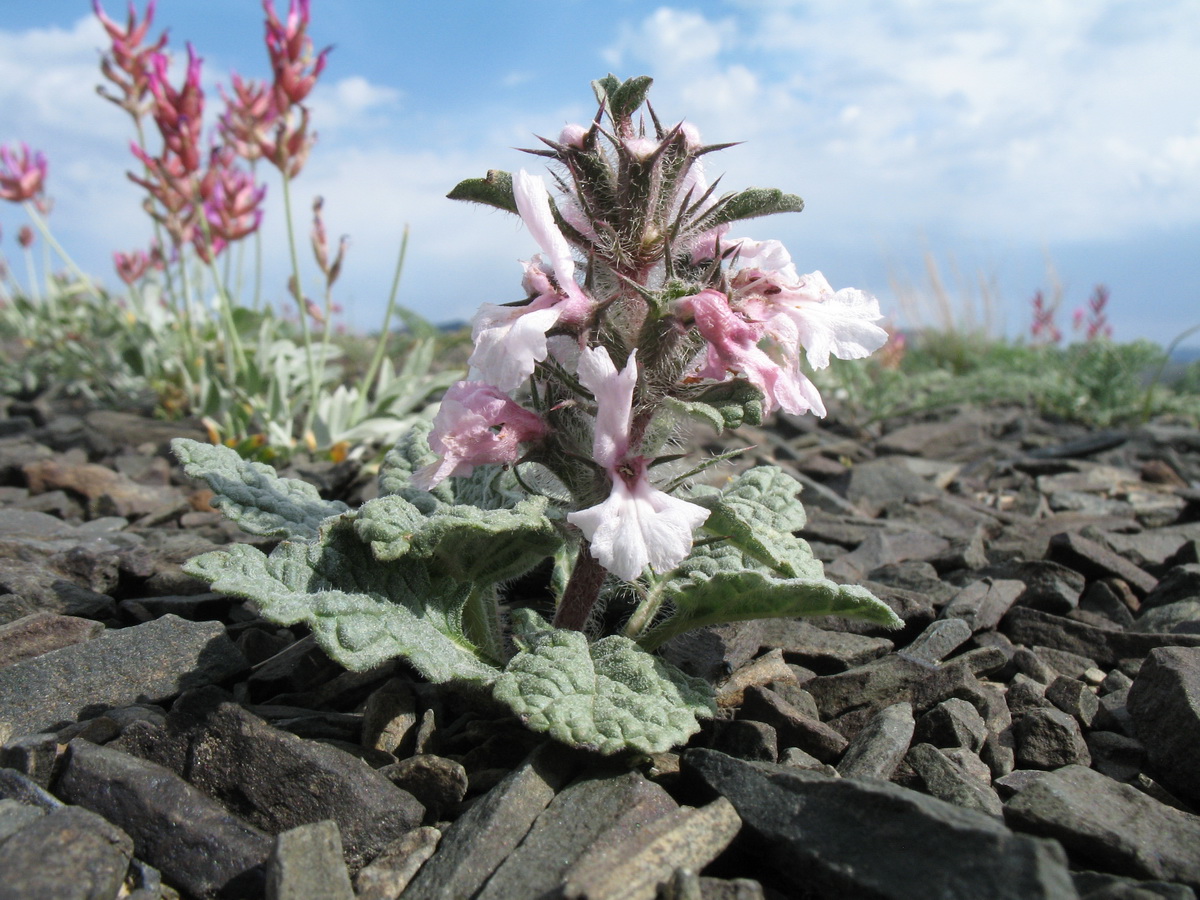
pixel 609 697
pixel 718 583
pixel 361 611
pixel 465 543
pixel 253 495
pixel 724 406
pixel 758 513
pixel 496 189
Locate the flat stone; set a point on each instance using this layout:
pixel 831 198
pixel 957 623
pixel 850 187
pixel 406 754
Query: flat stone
pixel 793 728
pixel 388 875
pixel 1032 627
pixel 1096 561
pixel 875 484
pixel 715 651
pixel 151 662
pixel 1108 826
pixel 438 784
pixel 14 816
pixel 638 863
pixel 820 650
pixel 485 835
pixel 1180 583
pixel 746 739
pixel 1164 704
pixel 593 811
pixel 876 751
pixel 849 838
pixel 42 632
pixel 1074 697
pixel 307 863
pixel 941 638
pixel 768 668
pixel 278 781
pixel 65 854
pixel 108 492
pixel 946 781
pixel 188 836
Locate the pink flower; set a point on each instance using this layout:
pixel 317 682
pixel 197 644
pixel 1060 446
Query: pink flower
pixel 476 425
pixel 733 341
pixel 179 113
pixel 638 525
pixel 132 266
pixel 291 52
pixel 511 340
pixel 23 176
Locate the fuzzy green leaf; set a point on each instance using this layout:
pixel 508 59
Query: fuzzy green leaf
pixel 758 513
pixel 253 495
pixel 361 611
pixel 747 204
pixel 718 583
pixel 609 696
pixel 496 189
pixel 622 97
pixel 464 543
pixel 724 406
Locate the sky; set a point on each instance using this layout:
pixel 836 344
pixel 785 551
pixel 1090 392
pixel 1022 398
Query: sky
pixel 1012 146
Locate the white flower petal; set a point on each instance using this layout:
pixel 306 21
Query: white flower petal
pixel 509 342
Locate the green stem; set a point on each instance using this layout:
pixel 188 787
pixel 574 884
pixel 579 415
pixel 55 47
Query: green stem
pixel 639 623
pixel 582 591
pixel 481 623
pixel 305 331
pixel 381 344
pixel 35 291
pixel 42 227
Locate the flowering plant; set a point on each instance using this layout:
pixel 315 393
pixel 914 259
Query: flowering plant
pixel 563 444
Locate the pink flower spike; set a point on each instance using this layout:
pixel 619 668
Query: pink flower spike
pixel 476 425
pixel 511 340
pixel 23 176
pixel 637 525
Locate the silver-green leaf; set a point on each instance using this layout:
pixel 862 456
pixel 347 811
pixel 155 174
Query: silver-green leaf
pixel 253 495
pixel 361 611
pixel 609 696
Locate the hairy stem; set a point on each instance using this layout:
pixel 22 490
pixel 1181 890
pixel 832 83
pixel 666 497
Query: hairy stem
pixel 583 589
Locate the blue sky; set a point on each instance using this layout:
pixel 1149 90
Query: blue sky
pixel 1020 146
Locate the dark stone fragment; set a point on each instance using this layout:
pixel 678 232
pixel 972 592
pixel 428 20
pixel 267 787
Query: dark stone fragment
pixel 938 641
pixel 188 836
pixel 1116 755
pixel 17 786
pixel 878 748
pixel 1101 886
pixel 1101 598
pixel 982 604
pixel 952 723
pixel 1180 583
pixel 482 838
pixel 846 838
pixel 1164 704
pixel 1032 627
pixel 278 781
pixel 152 662
pixel 307 862
pixel 68 854
pixel 944 780
pixel 793 728
pixel 438 784
pixel 1074 697
pixel 1095 561
pixel 1049 739
pixel 746 739
pixel 33 755
pixel 1108 826
pixel 715 651
pixel 820 650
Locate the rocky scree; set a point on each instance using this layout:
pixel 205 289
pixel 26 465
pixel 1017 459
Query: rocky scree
pixel 1032 732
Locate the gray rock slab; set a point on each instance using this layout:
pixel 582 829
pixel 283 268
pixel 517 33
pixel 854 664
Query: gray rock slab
pixel 1094 561
pixel 388 874
pixel 307 863
pixel 876 751
pixel 590 812
pixel 982 604
pixel 39 633
pixel 278 781
pixel 636 865
pixel 849 838
pixel 792 727
pixel 1108 826
pixel 952 723
pixel 68 854
pixel 1164 703
pixel 1049 739
pixel 1033 627
pixel 14 816
pixel 820 650
pixel 483 837
pixel 150 662
pixel 946 781
pixel 941 638
pixel 193 840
